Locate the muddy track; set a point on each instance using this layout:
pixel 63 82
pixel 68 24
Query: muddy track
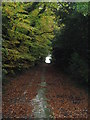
pixel 44 93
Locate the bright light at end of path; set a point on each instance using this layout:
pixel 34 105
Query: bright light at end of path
pixel 48 59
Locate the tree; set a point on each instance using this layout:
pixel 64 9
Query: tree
pixel 27 34
pixel 70 45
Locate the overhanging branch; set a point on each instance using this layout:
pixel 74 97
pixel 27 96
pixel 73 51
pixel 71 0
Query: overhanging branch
pixel 44 32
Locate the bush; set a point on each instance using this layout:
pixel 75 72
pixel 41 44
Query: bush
pixel 78 67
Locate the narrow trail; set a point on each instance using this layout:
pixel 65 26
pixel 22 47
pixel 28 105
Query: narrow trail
pixel 44 92
pixel 41 109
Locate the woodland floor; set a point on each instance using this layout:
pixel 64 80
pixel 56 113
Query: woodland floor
pixel 43 92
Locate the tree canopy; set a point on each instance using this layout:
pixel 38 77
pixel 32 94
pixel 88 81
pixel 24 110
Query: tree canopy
pixel 27 33
pixel 70 44
pixel 32 30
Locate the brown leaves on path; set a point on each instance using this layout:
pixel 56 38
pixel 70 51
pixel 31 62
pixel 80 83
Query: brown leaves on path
pixel 65 99
pixel 19 93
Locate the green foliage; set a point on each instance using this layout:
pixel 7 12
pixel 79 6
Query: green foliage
pixel 27 34
pixel 70 45
pixel 32 30
pixel 78 67
pixel 83 8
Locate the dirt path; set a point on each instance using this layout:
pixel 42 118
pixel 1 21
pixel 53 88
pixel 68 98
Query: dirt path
pixel 66 98
pixel 44 93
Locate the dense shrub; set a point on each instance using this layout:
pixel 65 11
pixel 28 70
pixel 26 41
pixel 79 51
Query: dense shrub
pixel 70 45
pixel 78 67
